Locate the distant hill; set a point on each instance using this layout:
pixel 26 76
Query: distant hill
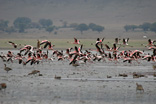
pixel 104 12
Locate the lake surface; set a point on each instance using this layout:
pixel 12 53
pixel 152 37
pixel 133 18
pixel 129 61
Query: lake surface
pixel 85 84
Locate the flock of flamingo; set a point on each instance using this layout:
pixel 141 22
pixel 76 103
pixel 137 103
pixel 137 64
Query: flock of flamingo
pixel 76 56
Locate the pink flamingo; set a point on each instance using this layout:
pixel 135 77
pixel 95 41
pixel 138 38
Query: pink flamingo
pixel 151 43
pixel 115 48
pixel 117 41
pixel 13 44
pixel 125 41
pixel 99 41
pixel 47 43
pixel 76 41
pixel 108 48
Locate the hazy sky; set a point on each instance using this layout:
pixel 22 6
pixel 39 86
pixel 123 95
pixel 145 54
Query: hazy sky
pixel 99 11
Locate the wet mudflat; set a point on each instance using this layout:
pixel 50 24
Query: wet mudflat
pixel 84 84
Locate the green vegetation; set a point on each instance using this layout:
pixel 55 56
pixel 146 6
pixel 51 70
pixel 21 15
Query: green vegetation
pixel 22 23
pixel 145 27
pixel 82 27
pixel 3 25
pixel 50 29
pixel 95 27
pixel 45 22
pixel 130 27
pixel 153 27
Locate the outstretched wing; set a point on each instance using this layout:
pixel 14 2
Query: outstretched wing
pixel 127 40
pixel 124 41
pixel 116 40
pixel 75 39
pixel 13 44
pixel 102 39
pixel 44 41
pixel 107 46
pixel 48 43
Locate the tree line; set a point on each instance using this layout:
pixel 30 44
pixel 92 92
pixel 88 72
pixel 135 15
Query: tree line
pixel 20 24
pixel 145 27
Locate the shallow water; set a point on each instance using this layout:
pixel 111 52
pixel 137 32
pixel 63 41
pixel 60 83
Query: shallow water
pixel 85 84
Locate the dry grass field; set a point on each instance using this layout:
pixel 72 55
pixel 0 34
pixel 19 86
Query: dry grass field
pixel 66 34
pixel 62 43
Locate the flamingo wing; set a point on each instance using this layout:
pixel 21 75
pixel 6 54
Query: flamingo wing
pixel 76 49
pixel 98 48
pixel 47 44
pixel 116 40
pixel 107 46
pixel 44 41
pixel 114 46
pixel 127 40
pixel 149 41
pixel 13 44
pixel 73 60
pixel 124 41
pixel 103 39
pixel 75 40
pixel 154 43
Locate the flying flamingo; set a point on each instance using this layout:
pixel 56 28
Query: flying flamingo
pixel 76 41
pixel 99 41
pixel 108 48
pixel 115 48
pixel 115 57
pixel 137 52
pixel 47 43
pixel 19 57
pixel 127 59
pixel 13 44
pixel 151 43
pixel 27 48
pixel 58 54
pixel 76 51
pixel 100 50
pixel 147 57
pixel 125 41
pixel 117 41
pixel 73 61
pixel 154 52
